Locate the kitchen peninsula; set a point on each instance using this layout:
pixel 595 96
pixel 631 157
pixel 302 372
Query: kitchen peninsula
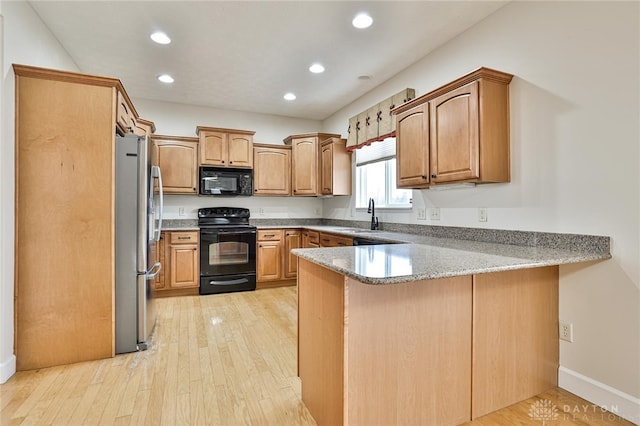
pixel 439 331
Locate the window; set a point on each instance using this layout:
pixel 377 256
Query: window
pixel 376 176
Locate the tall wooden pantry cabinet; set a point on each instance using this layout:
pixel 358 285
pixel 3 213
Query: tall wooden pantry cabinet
pixel 65 127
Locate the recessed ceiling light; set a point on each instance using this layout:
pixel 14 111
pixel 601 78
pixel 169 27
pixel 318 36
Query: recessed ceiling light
pixel 316 68
pixel 289 96
pixel 364 77
pixel 165 78
pixel 362 20
pixel 160 38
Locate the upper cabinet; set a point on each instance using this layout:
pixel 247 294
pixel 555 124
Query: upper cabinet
pixel 272 169
pixel 177 158
pixel 412 147
pixel 457 133
pixel 335 167
pixel 305 160
pixel 225 147
pixel 144 127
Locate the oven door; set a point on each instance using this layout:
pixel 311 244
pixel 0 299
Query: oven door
pixel 227 251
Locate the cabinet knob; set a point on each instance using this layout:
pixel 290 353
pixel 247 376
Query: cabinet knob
pixel 423 177
pixel 230 162
pixel 434 176
pixel 255 190
pixel 222 161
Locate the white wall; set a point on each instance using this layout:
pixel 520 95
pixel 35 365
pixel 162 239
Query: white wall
pixel 25 41
pixel 181 120
pixel 574 156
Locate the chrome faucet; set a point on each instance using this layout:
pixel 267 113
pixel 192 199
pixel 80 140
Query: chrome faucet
pixel 372 210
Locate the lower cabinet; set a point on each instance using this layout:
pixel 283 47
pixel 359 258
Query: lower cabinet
pixel 332 240
pixel 310 239
pixel 292 240
pixel 269 256
pixel 177 251
pixel 275 264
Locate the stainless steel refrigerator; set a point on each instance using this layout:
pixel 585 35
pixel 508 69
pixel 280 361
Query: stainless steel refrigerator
pixel 138 193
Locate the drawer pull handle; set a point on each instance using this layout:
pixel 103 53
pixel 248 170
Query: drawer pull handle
pixel 184 238
pixel 269 235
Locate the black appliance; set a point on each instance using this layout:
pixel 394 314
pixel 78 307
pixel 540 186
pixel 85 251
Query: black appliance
pixel 227 250
pixel 225 181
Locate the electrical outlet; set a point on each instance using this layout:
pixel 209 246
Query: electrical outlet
pixel 566 331
pixel 180 211
pixel 482 214
pixel 261 211
pixel 318 211
pixel 422 213
pixel 434 213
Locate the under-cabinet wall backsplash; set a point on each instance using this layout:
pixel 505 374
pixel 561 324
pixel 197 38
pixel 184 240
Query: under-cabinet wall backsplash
pixel 186 206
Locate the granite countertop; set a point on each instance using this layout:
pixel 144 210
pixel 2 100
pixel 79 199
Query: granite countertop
pixel 415 256
pixel 420 257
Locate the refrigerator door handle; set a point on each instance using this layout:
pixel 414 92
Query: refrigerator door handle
pixel 156 173
pixel 153 272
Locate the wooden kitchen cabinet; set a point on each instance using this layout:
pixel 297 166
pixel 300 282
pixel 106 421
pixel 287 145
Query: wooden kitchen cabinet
pixel 157 254
pixel 177 158
pixel 269 255
pixel 144 127
pixel 305 160
pixel 332 240
pixel 178 253
pixel 125 118
pixel 292 240
pixel 64 252
pixel 412 148
pixel 458 337
pixel 274 263
pixel 310 239
pixel 271 169
pixel 335 167
pixel 460 130
pixel 225 147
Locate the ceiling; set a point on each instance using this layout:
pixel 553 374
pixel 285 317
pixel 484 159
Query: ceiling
pixel 245 55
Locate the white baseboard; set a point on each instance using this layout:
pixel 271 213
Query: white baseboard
pixel 615 401
pixel 7 369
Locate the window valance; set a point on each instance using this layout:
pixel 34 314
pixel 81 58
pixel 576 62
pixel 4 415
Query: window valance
pixel 376 123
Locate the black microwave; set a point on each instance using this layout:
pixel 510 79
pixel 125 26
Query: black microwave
pixel 225 181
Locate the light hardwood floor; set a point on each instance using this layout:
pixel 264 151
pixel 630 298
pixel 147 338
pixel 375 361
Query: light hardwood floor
pixel 225 359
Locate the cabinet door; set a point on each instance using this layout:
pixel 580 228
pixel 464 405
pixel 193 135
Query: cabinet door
pixel 184 265
pixel 272 171
pixel 269 260
pixel 158 254
pixel 291 241
pixel 455 135
pixel 326 180
pixel 304 174
pixel 178 161
pixel 412 148
pixel 240 150
pixel 213 148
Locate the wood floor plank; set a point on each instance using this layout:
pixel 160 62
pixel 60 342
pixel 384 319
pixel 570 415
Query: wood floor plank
pixel 226 359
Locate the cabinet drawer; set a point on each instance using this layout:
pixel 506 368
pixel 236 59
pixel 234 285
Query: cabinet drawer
pixel 270 235
pixel 184 237
pixel 314 237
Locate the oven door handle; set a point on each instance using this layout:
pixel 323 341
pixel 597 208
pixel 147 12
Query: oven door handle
pixel 226 232
pixel 230 282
